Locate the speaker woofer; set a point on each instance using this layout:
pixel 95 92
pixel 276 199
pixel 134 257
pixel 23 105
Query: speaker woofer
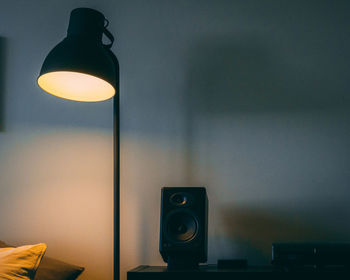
pixel 182 226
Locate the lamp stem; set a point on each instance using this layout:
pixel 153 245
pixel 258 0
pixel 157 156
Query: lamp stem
pixel 116 171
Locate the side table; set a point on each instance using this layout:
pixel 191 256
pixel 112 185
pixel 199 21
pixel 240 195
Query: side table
pixel 211 272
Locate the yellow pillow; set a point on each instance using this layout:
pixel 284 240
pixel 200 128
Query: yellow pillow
pixel 21 262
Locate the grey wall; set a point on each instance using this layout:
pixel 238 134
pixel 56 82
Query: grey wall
pixel 248 98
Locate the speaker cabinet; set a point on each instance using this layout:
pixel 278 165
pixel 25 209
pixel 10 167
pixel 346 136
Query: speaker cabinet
pixel 184 227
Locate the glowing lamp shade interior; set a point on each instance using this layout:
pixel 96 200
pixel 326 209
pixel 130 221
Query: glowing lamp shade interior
pixel 76 86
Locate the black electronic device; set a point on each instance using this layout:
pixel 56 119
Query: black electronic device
pixel 316 254
pixel 184 227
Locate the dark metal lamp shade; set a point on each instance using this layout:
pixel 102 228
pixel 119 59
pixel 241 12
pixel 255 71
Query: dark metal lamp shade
pixel 81 67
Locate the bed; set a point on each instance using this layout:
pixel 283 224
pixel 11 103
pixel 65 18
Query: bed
pixel 29 262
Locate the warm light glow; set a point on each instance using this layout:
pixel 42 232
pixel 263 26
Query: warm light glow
pixel 76 86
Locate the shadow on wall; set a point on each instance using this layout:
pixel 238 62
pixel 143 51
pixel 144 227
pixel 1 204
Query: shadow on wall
pixel 255 229
pixel 245 77
pixel 2 83
pixel 242 76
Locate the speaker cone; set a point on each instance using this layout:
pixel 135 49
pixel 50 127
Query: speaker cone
pixel 182 226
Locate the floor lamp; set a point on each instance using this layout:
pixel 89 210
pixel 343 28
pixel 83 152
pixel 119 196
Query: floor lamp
pixel 82 68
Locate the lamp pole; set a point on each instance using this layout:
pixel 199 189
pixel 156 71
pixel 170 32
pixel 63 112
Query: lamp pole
pixel 116 172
